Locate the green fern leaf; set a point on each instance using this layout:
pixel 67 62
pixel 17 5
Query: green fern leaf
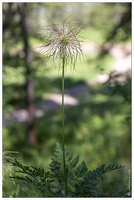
pixel 81 170
pixel 113 167
pixel 68 154
pixel 59 151
pixel 74 162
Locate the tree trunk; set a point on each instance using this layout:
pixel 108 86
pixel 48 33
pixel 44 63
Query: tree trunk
pixel 31 134
pixel 7 17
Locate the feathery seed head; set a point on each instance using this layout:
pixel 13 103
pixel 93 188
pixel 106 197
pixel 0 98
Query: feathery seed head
pixel 63 43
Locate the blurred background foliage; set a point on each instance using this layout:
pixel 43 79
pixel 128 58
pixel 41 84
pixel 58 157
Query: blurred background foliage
pixel 99 127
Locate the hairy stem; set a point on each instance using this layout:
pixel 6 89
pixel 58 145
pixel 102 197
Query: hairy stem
pixel 63 136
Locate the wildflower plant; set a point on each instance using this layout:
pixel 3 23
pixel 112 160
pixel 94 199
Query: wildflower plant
pixel 66 177
pixel 62 44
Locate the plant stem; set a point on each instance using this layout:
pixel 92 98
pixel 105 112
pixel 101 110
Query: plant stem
pixel 63 137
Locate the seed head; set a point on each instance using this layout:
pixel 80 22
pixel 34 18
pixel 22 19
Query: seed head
pixel 62 43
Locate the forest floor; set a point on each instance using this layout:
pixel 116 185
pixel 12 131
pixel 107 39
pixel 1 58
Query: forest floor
pixel 122 56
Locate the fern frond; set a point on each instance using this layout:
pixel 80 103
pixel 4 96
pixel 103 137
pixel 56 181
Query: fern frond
pixel 113 167
pixel 54 166
pixel 97 173
pixel 38 172
pixel 86 189
pixel 81 170
pixel 74 162
pixel 59 151
pixel 81 182
pixel 68 153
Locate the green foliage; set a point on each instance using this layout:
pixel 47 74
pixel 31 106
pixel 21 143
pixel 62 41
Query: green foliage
pixel 81 182
pixel 97 142
pixel 105 116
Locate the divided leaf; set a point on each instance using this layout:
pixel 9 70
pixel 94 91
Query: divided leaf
pixel 35 182
pixel 74 162
pixel 81 170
